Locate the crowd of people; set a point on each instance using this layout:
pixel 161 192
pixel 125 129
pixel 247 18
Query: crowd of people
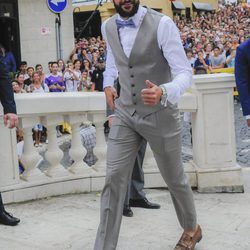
pixel 82 72
pixel 211 39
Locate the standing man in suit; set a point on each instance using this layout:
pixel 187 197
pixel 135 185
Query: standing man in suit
pixel 11 121
pixel 144 46
pixel 135 196
pixel 242 76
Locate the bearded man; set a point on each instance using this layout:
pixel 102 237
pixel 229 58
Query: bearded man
pixel 144 46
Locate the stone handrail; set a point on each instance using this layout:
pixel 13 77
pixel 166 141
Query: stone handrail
pixel 213 168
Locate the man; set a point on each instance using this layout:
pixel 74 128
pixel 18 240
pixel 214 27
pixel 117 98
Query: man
pixel 23 69
pixel 217 60
pixel 145 48
pixel 11 121
pixel 97 75
pixel 135 196
pixel 54 81
pixel 242 76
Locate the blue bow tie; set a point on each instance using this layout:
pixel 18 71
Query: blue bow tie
pixel 126 23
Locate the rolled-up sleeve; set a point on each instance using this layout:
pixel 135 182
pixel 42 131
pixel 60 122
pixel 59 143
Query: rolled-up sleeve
pixel 170 43
pixel 111 73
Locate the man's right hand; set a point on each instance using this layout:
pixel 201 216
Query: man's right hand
pixel 111 95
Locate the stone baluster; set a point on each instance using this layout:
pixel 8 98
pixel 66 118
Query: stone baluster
pixel 30 157
pixel 8 155
pixel 214 153
pixel 98 118
pixel 77 150
pixel 53 154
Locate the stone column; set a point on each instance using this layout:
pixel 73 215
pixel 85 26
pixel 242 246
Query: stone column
pixel 98 118
pixel 214 153
pixel 30 157
pixel 53 154
pixel 8 156
pixel 77 150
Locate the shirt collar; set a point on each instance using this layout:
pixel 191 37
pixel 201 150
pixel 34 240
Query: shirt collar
pixel 138 17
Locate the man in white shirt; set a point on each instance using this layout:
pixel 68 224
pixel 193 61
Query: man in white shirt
pixel 144 46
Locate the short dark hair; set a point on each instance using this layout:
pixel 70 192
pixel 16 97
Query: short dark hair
pixel 30 68
pixel 23 63
pixel 38 65
pixel 217 47
pixel 52 63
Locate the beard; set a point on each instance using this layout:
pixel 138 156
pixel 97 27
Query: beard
pixel 121 10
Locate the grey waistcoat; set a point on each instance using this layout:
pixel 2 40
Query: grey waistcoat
pixel 146 62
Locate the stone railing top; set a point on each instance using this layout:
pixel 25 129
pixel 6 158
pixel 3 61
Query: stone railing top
pixel 213 81
pixel 59 103
pixel 78 102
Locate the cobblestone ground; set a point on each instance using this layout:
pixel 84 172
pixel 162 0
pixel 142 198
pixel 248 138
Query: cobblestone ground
pixel 242 139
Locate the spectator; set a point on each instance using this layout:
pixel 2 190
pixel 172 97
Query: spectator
pixel 201 64
pixel 70 78
pixel 39 69
pixel 54 80
pixel 16 87
pixel 190 57
pixel 23 69
pixel 37 85
pixel 8 59
pixel 97 76
pixel 78 73
pixel 61 66
pixel 217 60
pixel 30 71
pixel 20 79
pixel 86 84
pixel 230 61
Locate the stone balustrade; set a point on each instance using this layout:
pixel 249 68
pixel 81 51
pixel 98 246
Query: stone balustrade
pixel 213 168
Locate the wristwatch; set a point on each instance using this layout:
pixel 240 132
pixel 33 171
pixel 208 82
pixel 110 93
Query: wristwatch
pixel 164 95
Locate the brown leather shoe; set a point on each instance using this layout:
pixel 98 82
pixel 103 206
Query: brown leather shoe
pixel 187 242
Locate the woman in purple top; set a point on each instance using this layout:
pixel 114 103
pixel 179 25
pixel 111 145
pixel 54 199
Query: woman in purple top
pixel 54 80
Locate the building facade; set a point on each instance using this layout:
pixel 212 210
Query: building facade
pixel 34 33
pixel 37 35
pixel 168 7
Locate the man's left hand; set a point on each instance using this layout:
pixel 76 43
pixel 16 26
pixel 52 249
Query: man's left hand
pixel 248 123
pixel 152 94
pixel 10 120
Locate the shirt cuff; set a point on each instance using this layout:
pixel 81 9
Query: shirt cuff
pixel 247 117
pixel 173 95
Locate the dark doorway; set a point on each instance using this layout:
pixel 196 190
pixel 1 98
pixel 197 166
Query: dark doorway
pixel 188 13
pixel 93 29
pixel 9 27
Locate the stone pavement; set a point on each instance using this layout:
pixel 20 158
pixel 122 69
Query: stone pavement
pixel 70 222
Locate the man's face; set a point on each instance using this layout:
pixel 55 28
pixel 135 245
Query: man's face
pixel 126 8
pixel 54 68
pixel 23 67
pixel 216 51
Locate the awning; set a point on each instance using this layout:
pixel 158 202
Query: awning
pixel 178 5
pixel 202 6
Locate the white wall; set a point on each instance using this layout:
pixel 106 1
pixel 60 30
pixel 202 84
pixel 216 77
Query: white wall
pixel 38 48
